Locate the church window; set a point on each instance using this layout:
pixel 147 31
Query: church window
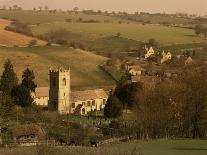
pixel 83 111
pixel 88 103
pixel 73 105
pixel 93 103
pixel 64 81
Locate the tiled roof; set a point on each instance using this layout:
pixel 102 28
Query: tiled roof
pixel 42 92
pixel 88 95
pixel 76 95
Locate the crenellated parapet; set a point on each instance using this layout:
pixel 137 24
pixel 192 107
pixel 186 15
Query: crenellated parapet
pixel 59 70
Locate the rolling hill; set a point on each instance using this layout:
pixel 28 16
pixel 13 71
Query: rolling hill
pixel 8 38
pixel 84 65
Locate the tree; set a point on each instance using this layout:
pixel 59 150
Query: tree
pixel 15 7
pixel 113 107
pixel 8 79
pixel 46 8
pixel 28 80
pixel 32 42
pixel 153 43
pixel 22 96
pixel 75 9
pixel 201 29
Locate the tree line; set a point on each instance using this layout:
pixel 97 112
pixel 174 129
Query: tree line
pixel 14 92
pixel 168 109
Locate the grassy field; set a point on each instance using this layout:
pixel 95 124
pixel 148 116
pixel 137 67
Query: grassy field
pixel 138 32
pixel 34 18
pixel 42 22
pixel 158 147
pixel 84 65
pixel 11 38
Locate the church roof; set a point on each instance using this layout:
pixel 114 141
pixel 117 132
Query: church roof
pixel 42 92
pixel 88 95
pixel 83 95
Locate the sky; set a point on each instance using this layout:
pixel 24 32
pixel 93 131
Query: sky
pixel 169 6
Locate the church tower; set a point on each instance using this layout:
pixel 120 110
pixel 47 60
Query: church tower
pixel 59 93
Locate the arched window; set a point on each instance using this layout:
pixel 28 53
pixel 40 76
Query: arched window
pixel 83 111
pixel 64 81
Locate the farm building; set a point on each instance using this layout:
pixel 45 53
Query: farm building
pixel 135 70
pixel 149 52
pixel 59 97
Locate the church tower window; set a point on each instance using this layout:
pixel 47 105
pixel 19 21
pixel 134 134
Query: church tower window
pixel 64 81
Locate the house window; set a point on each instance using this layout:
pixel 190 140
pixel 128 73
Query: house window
pixel 93 103
pixel 73 105
pixel 83 103
pixel 88 103
pixel 64 81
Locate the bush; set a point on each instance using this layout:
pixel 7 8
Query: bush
pixel 33 42
pixel 19 27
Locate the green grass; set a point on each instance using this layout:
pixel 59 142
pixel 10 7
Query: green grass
pixel 84 65
pixel 164 147
pixel 113 44
pixel 138 32
pixel 34 18
pixel 156 147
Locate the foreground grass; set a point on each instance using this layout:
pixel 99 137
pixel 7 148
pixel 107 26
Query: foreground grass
pixel 156 147
pixel 83 65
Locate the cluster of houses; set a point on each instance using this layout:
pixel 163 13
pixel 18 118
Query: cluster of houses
pixel 146 74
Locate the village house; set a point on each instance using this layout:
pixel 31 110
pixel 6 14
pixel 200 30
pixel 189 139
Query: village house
pixel 185 59
pixel 166 56
pixel 27 135
pixel 149 52
pixel 135 70
pixel 59 97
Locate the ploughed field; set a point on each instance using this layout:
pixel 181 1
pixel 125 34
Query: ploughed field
pixel 8 38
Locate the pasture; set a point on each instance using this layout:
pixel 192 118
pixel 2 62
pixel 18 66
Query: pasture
pixel 84 65
pixel 155 147
pixel 164 35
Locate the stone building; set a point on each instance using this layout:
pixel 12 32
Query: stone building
pixel 135 70
pixel 59 97
pixel 166 56
pixel 149 52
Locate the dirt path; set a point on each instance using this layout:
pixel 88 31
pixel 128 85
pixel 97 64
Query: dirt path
pixel 8 38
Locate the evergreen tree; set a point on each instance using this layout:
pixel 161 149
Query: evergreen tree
pixel 22 96
pixel 8 79
pixel 28 80
pixel 113 107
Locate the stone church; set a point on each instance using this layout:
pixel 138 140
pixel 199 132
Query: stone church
pixel 59 97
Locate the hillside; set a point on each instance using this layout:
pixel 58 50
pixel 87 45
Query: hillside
pixel 11 38
pixel 84 65
pixel 96 32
